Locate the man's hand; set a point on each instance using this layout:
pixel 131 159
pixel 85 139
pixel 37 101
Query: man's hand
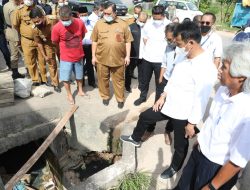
pixel 127 61
pixel 93 60
pixel 189 130
pixel 160 80
pixel 159 103
pixel 205 188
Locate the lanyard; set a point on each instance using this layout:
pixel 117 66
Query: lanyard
pixel 207 39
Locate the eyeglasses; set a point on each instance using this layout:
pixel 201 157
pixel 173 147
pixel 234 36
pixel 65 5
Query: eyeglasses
pixel 205 23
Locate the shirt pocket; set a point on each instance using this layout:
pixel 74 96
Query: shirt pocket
pixel 26 19
pixel 103 35
pixel 119 37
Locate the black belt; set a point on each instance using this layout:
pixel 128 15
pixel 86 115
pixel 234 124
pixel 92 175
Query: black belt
pixel 28 38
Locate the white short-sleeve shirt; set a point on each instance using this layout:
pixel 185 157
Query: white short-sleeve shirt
pixel 156 43
pixel 189 88
pixel 212 43
pixel 226 132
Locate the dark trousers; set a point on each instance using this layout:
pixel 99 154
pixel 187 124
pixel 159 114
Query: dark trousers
pixel 199 171
pixel 169 127
pixel 88 67
pixel 130 70
pixel 147 69
pixel 4 49
pixel 149 118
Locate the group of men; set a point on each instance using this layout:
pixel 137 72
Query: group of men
pixel 185 72
pixel 184 57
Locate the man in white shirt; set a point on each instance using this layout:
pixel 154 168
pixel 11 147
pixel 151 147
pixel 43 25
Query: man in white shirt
pixel 210 40
pixel 185 96
pixel 155 44
pixel 223 143
pixel 96 14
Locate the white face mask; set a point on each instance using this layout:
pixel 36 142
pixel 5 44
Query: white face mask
pixel 84 18
pixel 66 23
pixel 136 16
pixel 61 4
pixel 100 14
pixel 158 22
pixel 183 51
pixel 28 2
pixel 66 3
pixel 141 24
pixel 108 18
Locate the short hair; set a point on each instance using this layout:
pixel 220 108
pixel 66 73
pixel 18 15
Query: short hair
pixel 210 14
pixel 143 14
pixel 239 57
pixel 65 11
pixel 138 7
pixel 171 27
pixel 110 4
pixel 82 10
pixel 97 6
pixel 188 31
pixel 36 12
pixel 186 20
pixel 158 10
pixel 197 19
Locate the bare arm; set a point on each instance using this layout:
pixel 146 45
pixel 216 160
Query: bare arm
pixel 145 41
pixel 224 175
pixel 128 49
pixel 41 49
pixel 161 74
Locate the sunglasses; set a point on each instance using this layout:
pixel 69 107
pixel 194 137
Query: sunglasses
pixel 205 23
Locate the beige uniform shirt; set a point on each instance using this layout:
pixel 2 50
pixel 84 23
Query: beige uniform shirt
pixel 130 20
pixel 8 10
pixel 43 34
pixel 111 41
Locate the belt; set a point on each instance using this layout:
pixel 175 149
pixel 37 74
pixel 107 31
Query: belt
pixel 28 38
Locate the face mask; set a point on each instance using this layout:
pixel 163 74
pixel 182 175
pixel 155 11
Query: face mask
pixel 108 18
pixel 172 45
pixel 66 3
pixel 136 16
pixel 84 18
pixel 158 22
pixel 28 3
pixel 67 23
pixel 39 24
pixel 205 29
pixel 183 51
pixel 141 24
pixel 60 4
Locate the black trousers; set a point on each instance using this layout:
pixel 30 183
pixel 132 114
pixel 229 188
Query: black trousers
pixel 147 69
pixel 149 118
pixel 169 127
pixel 88 67
pixel 199 171
pixel 4 49
pixel 134 62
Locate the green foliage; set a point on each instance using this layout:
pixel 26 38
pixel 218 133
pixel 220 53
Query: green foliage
pixel 135 181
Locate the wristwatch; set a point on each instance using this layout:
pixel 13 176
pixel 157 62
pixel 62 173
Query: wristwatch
pixel 210 186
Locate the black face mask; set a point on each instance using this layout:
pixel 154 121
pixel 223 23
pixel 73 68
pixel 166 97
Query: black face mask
pixel 205 29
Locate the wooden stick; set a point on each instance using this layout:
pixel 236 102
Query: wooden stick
pixel 25 168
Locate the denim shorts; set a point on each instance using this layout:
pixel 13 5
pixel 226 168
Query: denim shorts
pixel 66 69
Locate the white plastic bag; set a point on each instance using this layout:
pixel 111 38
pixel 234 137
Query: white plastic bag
pixel 39 91
pixel 22 87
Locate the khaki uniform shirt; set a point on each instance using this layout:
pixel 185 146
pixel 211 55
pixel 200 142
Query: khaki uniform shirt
pixel 111 42
pixel 8 10
pixel 22 21
pixel 130 20
pixel 43 34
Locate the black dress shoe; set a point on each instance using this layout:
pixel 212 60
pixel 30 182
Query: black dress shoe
pixel 93 85
pixel 17 75
pixel 139 101
pixel 36 84
pixel 128 90
pixel 168 173
pixel 46 83
pixel 120 105
pixel 57 89
pixel 105 102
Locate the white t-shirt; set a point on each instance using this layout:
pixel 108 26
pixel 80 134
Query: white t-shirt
pixel 226 132
pixel 189 88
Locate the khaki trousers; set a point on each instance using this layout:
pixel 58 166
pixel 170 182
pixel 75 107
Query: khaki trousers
pixel 33 60
pixel 52 65
pixel 14 54
pixel 117 74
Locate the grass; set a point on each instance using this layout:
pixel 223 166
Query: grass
pixel 134 181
